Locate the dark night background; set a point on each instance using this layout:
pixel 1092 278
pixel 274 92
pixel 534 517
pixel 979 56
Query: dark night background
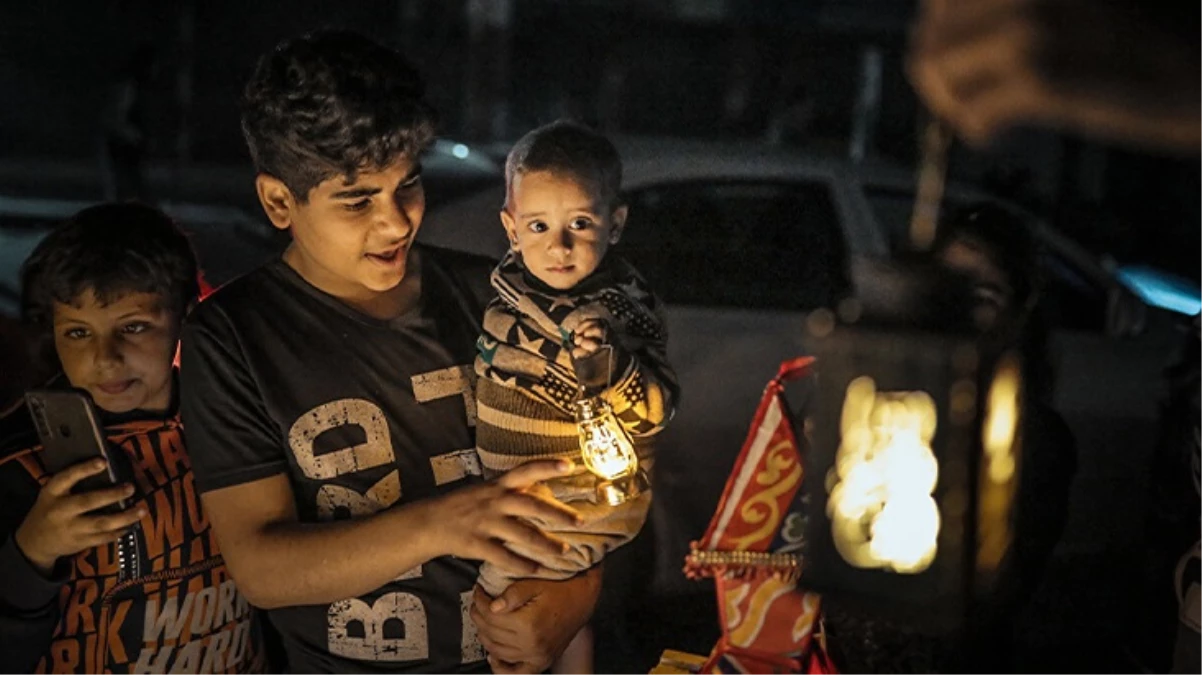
pixel 706 68
pixel 823 77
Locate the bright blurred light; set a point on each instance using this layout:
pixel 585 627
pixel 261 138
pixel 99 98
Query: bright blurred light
pixel 459 150
pixel 1001 445
pixel 1161 289
pixel 881 509
pixel 1001 422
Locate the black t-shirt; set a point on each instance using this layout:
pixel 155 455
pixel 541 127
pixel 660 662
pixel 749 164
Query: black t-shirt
pixel 361 414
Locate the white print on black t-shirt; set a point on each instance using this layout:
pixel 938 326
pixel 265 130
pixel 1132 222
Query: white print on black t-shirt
pixel 394 626
pixel 219 613
pixel 453 381
pixel 373 452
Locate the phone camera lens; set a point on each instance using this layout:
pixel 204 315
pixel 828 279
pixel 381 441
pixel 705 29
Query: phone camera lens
pixel 64 430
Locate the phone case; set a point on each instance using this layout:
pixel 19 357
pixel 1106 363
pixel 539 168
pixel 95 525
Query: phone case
pixel 68 427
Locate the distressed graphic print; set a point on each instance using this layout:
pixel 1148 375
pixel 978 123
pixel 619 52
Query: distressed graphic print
pixel 393 626
pixel 182 612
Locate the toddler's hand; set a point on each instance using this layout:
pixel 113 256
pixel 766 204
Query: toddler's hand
pixel 589 336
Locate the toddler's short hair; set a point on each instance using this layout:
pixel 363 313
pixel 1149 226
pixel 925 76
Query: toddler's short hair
pixel 567 147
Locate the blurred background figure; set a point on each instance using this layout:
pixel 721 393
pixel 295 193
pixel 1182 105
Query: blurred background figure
pixel 1000 257
pixel 997 255
pixel 1117 69
pixel 125 135
pixel 1124 72
pixel 1169 612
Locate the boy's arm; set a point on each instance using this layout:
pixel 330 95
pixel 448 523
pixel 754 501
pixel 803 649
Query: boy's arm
pixel 529 625
pixel 28 611
pixel 241 467
pixel 261 539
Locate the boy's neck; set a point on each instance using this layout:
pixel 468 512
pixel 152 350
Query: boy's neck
pixel 380 305
pixel 392 303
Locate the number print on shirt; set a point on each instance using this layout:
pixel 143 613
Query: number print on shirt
pixel 373 452
pixel 453 381
pixel 395 626
pixel 385 493
pixel 381 641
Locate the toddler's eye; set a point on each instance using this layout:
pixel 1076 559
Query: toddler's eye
pixel 135 328
pixel 581 224
pixel 538 226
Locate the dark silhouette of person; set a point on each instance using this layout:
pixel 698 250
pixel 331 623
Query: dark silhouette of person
pixel 125 134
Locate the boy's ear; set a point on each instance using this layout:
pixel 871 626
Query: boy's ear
pixel 277 200
pixel 619 223
pixel 511 228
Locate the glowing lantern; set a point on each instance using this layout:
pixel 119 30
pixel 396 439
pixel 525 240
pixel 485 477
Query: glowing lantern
pixel 608 452
pixel 881 506
pixel 913 459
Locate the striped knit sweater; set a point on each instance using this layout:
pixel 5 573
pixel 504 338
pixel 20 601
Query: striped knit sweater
pixel 527 384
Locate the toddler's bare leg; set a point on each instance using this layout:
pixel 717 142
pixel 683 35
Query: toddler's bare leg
pixel 578 657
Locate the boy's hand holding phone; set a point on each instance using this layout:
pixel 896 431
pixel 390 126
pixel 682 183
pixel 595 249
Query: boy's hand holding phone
pixel 62 523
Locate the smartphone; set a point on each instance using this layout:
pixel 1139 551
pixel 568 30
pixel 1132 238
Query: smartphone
pixel 69 429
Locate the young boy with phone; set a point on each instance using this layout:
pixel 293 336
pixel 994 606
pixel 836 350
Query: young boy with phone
pixel 125 577
pixel 329 397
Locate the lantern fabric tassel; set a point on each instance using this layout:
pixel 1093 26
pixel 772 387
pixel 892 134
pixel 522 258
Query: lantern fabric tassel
pixel 752 550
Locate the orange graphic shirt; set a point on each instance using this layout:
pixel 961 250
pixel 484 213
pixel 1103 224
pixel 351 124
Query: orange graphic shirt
pixel 160 600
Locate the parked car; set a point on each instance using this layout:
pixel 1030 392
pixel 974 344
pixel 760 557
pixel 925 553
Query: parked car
pixel 741 241
pixel 228 240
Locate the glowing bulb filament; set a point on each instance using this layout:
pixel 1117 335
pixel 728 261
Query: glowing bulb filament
pixel 607 450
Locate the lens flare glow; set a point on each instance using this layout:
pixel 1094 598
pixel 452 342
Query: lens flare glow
pixel 881 507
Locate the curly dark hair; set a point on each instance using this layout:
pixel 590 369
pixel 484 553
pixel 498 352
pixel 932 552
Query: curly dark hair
pixel 566 146
pixel 111 249
pixel 330 103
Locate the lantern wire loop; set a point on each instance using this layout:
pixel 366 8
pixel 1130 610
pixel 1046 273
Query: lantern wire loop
pixel 609 367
